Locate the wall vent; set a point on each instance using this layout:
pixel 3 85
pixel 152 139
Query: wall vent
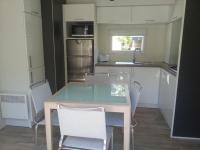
pixel 14 106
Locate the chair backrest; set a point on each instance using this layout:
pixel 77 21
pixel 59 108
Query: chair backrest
pixel 121 77
pixel 96 78
pixel 135 93
pixel 39 94
pixel 82 122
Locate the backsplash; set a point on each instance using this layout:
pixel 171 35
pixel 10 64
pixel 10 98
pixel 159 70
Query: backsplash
pixel 154 42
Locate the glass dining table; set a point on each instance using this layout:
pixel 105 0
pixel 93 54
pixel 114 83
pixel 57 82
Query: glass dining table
pixel 113 97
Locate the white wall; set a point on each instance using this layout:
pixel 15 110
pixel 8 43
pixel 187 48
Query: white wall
pixel 154 44
pixel 13 55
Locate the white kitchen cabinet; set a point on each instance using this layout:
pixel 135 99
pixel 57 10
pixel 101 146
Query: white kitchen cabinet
pixel 133 14
pixel 147 76
pixel 114 15
pixel 21 44
pixel 102 69
pixel 116 70
pixel 21 35
pixel 149 79
pixel 167 95
pixel 177 10
pixel 79 12
pixel 150 14
pixel 33 7
pixel 110 69
pixel 34 41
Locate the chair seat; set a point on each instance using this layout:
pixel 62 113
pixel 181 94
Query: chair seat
pixel 54 119
pixel 87 143
pixel 115 119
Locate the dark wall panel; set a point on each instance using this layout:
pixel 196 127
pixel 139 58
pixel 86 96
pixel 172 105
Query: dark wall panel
pixel 52 21
pixel 48 42
pixel 187 113
pixel 59 44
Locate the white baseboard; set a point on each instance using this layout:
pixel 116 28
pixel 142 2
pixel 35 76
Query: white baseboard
pixel 147 105
pixel 185 138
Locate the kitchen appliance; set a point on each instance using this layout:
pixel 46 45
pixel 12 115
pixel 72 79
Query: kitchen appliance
pixel 81 29
pixel 80 58
pixel 104 57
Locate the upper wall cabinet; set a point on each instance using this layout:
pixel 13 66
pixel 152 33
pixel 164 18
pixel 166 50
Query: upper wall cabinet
pixel 178 10
pixel 79 12
pixel 114 15
pixel 33 7
pixel 133 15
pixel 150 14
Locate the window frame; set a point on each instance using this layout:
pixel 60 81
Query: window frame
pixel 142 44
pixel 139 32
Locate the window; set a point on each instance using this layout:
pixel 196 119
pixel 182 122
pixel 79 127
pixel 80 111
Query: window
pixel 128 43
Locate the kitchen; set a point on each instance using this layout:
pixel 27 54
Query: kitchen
pixel 157 52
pixel 155 26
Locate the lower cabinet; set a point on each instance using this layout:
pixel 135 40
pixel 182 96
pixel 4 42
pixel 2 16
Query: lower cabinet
pixel 167 95
pixel 108 69
pixel 149 78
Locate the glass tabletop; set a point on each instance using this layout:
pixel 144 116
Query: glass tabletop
pixel 93 93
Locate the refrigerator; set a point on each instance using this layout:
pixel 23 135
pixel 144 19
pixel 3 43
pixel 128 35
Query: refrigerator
pixel 80 58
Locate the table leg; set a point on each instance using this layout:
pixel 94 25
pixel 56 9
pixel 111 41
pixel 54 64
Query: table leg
pixel 127 130
pixel 48 127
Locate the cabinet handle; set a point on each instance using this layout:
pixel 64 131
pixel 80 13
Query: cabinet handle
pixel 31 77
pixel 30 62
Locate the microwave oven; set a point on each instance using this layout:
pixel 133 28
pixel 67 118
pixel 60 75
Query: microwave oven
pixel 82 30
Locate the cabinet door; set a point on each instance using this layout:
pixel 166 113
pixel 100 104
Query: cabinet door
pixel 164 94
pixel 172 96
pixel 149 79
pixel 167 95
pixel 32 6
pixel 79 12
pixel 37 75
pixel 34 41
pixel 116 70
pixel 150 14
pixel 114 15
pixel 102 69
pixel 112 69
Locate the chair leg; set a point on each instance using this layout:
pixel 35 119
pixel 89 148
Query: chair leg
pixel 132 137
pixel 36 135
pixel 112 142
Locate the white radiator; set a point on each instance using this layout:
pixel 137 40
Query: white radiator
pixel 14 106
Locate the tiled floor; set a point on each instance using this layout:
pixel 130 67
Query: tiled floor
pixel 151 133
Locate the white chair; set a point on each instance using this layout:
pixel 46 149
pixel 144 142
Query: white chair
pixel 39 94
pixel 96 78
pixel 83 128
pixel 117 119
